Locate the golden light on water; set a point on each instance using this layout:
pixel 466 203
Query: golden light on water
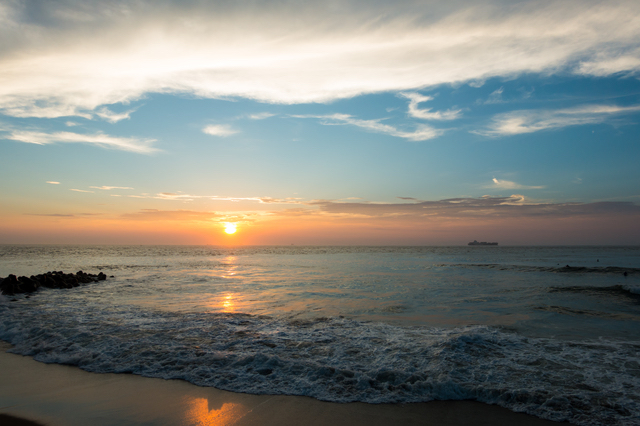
pixel 230 228
pixel 228 303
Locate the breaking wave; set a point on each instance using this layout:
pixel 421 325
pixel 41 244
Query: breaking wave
pixel 337 359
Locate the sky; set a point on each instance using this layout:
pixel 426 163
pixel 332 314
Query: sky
pixel 335 122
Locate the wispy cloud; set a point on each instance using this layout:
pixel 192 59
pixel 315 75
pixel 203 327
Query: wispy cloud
pixel 179 196
pixel 221 130
pixel 192 216
pixel 422 132
pixel 113 117
pixel 295 52
pixel 81 190
pixel 483 207
pixel 288 200
pixel 261 116
pixel 495 97
pixel 178 215
pixel 507 184
pixel 141 146
pixel 109 188
pixel 426 114
pixel 53 182
pixel 63 214
pixel 529 121
pixel 609 62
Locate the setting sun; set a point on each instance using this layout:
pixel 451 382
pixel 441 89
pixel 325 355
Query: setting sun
pixel 230 228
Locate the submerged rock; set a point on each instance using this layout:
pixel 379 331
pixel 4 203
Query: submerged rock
pixel 57 279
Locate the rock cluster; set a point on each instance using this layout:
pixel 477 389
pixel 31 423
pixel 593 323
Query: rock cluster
pixel 56 279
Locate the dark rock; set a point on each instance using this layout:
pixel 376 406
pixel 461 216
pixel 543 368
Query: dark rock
pixel 27 285
pixel 49 282
pixel 56 279
pixel 10 285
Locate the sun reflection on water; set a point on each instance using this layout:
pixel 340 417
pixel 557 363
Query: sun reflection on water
pixel 228 303
pixel 199 413
pixel 230 267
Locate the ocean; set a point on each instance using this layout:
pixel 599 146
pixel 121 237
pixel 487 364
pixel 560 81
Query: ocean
pixel 550 331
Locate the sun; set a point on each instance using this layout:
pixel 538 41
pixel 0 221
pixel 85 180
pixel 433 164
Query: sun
pixel 230 228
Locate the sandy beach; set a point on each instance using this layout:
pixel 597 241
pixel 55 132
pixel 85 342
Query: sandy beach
pixel 58 395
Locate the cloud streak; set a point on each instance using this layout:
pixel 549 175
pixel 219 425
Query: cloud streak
pixel 140 146
pixel 221 130
pixel 422 132
pixel 109 188
pixel 507 184
pixel 113 117
pixel 515 206
pixel 171 215
pixel 261 116
pixel 530 121
pixel 425 114
pixel 70 58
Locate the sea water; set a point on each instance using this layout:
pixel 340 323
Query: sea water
pixel 550 331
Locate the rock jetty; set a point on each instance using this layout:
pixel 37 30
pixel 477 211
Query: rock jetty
pixel 56 279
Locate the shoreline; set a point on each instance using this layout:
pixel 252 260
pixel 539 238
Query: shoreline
pixel 60 395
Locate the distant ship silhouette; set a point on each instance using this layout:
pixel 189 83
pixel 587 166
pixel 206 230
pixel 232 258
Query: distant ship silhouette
pixel 482 243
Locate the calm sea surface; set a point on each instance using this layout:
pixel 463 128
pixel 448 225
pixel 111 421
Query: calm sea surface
pixel 512 326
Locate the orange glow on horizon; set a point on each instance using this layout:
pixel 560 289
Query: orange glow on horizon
pixel 315 229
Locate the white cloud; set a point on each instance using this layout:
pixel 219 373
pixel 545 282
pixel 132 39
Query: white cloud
pixel 529 121
pixel 422 132
pixel 179 196
pixel 70 124
pixel 142 146
pixel 485 207
pixel 71 58
pixel 612 62
pixel 53 183
pixel 81 190
pixel 109 188
pixel 113 117
pixel 261 116
pixel 495 97
pixel 426 114
pixel 507 184
pixel 221 130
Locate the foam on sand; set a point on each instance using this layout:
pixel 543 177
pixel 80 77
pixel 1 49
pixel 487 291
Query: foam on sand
pixel 60 395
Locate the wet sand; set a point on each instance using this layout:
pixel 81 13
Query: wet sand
pixel 58 395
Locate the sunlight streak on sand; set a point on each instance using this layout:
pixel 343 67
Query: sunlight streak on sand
pixel 199 413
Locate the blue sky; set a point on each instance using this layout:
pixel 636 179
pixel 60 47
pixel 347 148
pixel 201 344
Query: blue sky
pixel 189 115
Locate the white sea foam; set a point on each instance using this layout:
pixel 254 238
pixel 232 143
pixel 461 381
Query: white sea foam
pixel 337 359
pixel 632 289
